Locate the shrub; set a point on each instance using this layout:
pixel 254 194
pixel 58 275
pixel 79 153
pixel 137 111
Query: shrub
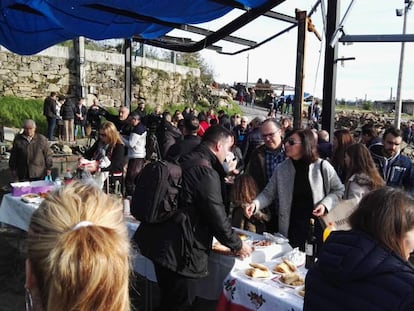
pixel 13 111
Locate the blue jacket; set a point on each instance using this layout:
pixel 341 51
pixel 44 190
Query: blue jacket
pixel 396 171
pixel 354 272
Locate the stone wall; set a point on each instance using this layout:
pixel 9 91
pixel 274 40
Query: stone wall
pixel 54 69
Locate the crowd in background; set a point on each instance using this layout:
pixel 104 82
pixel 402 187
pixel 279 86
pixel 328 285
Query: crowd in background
pixel 273 177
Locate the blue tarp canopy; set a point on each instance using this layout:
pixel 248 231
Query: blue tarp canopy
pixel 29 26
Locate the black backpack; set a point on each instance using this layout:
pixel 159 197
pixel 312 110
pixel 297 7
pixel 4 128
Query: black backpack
pixel 157 191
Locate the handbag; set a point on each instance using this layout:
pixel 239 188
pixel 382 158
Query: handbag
pixel 339 215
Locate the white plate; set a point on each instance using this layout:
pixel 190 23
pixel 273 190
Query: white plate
pixel 243 272
pixel 278 280
pixel 31 198
pixel 260 246
pixel 273 264
pixel 298 290
pixel 297 257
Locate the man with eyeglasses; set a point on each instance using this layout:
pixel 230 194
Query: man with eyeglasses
pixel 265 158
pixel 395 168
pixel 30 157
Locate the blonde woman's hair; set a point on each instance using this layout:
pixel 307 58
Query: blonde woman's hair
pixel 112 133
pixel 80 269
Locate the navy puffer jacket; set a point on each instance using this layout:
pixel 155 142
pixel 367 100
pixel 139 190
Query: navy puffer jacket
pixel 355 272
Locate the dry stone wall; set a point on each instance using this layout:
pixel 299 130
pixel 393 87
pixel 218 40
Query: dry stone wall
pixel 54 69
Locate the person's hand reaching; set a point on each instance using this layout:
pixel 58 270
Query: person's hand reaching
pixel 319 210
pixel 245 251
pixel 249 209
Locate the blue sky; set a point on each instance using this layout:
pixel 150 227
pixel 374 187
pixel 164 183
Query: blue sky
pixel 372 74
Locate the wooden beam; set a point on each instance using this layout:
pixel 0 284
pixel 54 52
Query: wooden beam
pixel 300 67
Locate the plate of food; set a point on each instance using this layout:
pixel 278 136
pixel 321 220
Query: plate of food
pixel 258 271
pixel 293 280
pixel 261 243
pixel 285 266
pixel 31 198
pixel 295 256
pixel 300 291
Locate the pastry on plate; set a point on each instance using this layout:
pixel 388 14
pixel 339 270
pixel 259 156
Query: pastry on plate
pixel 292 279
pixel 258 273
pixel 286 266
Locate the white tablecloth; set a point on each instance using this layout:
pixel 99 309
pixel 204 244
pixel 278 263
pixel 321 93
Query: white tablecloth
pixel 17 213
pixel 265 295
pixel 219 266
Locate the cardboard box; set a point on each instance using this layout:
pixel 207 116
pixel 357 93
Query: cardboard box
pixel 20 188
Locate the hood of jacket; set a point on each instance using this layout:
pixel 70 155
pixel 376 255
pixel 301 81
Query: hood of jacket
pixel 349 256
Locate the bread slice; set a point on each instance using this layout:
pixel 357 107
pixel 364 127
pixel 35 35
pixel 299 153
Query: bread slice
pixel 259 266
pixel 257 273
pixel 286 266
pixel 291 265
pixel 293 279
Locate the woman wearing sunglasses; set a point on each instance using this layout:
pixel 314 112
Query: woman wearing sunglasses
pixel 303 187
pixel 109 153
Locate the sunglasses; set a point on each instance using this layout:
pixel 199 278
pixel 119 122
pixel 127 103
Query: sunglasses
pixel 292 142
pixel 102 134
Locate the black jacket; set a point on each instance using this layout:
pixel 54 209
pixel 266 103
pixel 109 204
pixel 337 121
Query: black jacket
pixel 67 111
pixel 202 198
pixel 49 107
pixel 355 272
pixel 183 147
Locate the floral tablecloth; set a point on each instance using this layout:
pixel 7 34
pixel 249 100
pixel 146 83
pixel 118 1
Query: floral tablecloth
pixel 242 294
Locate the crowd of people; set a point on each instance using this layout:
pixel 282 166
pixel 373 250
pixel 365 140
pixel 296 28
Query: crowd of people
pixel 259 175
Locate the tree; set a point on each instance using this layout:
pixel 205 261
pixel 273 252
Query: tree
pixel 197 61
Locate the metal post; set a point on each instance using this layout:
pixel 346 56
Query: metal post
pixel 398 103
pixel 128 73
pixel 247 72
pixel 329 78
pixel 79 48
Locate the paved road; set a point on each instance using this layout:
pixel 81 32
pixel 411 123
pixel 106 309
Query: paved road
pixel 254 112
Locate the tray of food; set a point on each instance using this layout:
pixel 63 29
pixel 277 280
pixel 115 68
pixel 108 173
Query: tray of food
pixel 31 198
pixel 292 279
pixel 261 243
pixel 258 271
pixel 285 266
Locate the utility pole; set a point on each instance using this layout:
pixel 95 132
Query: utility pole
pixel 398 103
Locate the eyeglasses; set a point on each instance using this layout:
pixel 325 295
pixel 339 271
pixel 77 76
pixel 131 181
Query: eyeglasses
pixel 29 128
pixel 292 142
pixel 102 134
pixel 270 135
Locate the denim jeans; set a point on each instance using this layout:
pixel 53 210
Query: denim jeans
pixel 51 124
pixel 82 128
